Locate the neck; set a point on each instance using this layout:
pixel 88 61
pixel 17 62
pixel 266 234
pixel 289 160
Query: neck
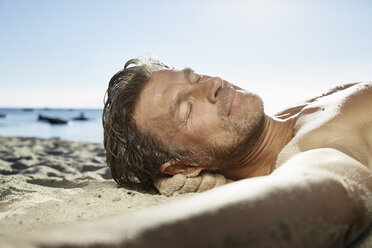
pixel 259 161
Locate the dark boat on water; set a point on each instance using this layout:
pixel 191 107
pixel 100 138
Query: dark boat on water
pixel 2 115
pixel 28 109
pixel 81 117
pixel 52 120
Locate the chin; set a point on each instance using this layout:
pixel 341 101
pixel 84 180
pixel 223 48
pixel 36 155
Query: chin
pixel 244 129
pixel 250 114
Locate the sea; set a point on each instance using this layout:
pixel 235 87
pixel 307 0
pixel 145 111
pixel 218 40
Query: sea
pixel 24 122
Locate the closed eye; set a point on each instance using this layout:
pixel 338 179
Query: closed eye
pixel 197 78
pixel 200 77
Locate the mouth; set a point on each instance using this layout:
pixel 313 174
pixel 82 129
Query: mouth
pixel 232 96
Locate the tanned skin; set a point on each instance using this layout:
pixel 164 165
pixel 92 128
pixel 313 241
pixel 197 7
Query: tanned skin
pixel 305 181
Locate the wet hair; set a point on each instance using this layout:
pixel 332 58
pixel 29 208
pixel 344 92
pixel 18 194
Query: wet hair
pixel 133 156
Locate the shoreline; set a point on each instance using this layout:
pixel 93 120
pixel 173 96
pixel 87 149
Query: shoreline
pixel 72 124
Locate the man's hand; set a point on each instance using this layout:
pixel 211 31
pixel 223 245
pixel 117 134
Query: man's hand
pixel 180 184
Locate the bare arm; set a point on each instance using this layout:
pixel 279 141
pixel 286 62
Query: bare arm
pixel 320 198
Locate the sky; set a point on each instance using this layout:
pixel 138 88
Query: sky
pixel 63 53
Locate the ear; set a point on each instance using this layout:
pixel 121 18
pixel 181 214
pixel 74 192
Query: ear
pixel 180 167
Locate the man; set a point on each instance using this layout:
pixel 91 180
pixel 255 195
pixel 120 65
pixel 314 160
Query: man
pixel 313 161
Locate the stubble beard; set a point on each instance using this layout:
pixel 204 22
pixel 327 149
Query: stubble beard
pixel 244 131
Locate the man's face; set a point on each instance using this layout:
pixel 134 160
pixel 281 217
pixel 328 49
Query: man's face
pixel 204 114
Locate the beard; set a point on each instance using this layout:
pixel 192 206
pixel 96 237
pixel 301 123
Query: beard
pixel 245 128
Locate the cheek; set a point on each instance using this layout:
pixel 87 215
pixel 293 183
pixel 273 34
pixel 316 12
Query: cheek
pixel 206 128
pixel 204 119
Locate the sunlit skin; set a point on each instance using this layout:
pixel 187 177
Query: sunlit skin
pixel 309 169
pixel 309 166
pixel 198 111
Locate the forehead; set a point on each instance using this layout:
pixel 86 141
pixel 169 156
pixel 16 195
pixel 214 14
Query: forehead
pixel 165 76
pixel 152 107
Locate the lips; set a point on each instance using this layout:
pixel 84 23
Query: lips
pixel 232 97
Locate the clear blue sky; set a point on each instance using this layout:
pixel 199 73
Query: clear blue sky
pixel 63 53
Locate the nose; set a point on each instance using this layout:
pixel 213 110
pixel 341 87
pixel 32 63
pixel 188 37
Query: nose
pixel 213 88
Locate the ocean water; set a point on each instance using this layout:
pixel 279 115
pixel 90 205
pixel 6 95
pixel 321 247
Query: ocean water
pixel 25 123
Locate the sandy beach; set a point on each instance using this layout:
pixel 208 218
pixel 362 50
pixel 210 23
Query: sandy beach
pixel 49 183
pixel 54 184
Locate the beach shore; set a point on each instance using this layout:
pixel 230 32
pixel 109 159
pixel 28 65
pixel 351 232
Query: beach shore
pixel 54 191
pixel 51 183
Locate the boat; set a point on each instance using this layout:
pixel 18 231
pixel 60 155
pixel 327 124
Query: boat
pixel 28 110
pixel 2 115
pixel 81 117
pixel 52 120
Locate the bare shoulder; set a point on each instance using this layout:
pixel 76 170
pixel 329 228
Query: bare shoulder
pixel 346 90
pixel 340 88
pixel 342 95
pixel 340 119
